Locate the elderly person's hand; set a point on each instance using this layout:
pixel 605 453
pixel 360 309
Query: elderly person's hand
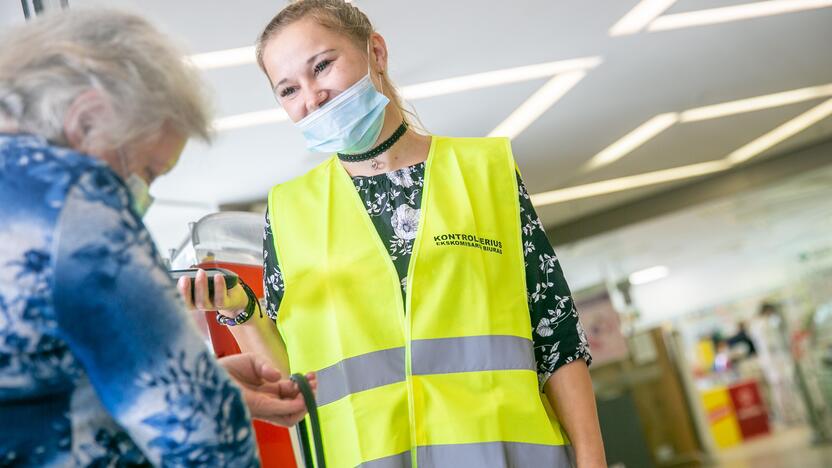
pixel 268 397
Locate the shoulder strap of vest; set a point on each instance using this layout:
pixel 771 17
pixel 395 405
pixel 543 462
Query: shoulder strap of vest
pixel 299 182
pixel 493 145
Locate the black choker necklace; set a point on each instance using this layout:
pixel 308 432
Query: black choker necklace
pixel 371 154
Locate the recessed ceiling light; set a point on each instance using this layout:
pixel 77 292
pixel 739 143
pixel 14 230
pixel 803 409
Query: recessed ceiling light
pixel 640 16
pixel 787 130
pixel 648 130
pixel 743 154
pixel 734 13
pixel 537 104
pixel 756 103
pixel 497 78
pixel 250 119
pixel 629 142
pixel 628 182
pixel 223 58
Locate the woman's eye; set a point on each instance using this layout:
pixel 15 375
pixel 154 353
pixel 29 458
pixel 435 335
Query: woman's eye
pixel 321 66
pixel 285 92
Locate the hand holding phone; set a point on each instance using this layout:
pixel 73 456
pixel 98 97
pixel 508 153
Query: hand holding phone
pixel 200 290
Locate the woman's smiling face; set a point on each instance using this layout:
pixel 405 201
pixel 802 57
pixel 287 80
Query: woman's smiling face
pixel 309 64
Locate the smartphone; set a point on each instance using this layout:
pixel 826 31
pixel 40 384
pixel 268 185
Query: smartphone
pixel 231 278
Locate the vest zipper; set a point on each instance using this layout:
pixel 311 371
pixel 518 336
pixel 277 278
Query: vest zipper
pixel 411 266
pixel 404 318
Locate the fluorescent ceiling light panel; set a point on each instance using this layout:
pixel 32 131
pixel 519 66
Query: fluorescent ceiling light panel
pixel 743 154
pixel 661 122
pixel 756 103
pixel 537 104
pixel 250 119
pixel 787 130
pixel 223 58
pixel 645 132
pixel 640 16
pixel 734 13
pixel 629 182
pixel 497 78
pixel 648 275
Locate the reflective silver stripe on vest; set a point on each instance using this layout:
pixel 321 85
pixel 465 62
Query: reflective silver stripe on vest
pixel 436 356
pixel 472 354
pixel 401 460
pixel 360 373
pixel 494 455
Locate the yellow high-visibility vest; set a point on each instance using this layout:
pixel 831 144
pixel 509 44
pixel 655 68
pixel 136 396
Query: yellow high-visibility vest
pixel 447 379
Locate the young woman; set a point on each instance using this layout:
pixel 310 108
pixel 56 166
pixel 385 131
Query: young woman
pixel 410 272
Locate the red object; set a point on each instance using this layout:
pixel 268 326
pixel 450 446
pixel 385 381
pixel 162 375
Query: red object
pixel 273 442
pixel 800 343
pixel 749 408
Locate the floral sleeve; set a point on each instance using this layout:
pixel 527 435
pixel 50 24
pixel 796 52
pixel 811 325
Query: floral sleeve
pixel 556 331
pixel 120 314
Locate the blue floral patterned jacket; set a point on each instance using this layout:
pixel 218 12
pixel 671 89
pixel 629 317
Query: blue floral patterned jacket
pixel 99 363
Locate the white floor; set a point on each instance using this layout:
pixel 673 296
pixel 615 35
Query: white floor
pixel 790 448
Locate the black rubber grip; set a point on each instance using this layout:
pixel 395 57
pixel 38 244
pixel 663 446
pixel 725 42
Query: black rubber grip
pixel 312 410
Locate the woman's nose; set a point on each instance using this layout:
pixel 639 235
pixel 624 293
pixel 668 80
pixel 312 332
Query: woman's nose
pixel 316 99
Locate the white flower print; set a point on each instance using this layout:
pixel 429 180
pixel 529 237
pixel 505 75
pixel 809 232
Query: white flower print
pixel 378 205
pixel 583 345
pixel 532 224
pixel 561 306
pixel 553 357
pixel 543 328
pixel 521 188
pixel 401 177
pixel 405 222
pixel 400 247
pixel 275 280
pixel 550 356
pixel 547 262
pixel 538 294
pixel 556 314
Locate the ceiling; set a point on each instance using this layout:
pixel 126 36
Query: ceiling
pixel 639 76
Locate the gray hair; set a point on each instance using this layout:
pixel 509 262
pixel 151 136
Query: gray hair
pixel 47 63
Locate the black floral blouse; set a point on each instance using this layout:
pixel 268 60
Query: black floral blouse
pixel 393 201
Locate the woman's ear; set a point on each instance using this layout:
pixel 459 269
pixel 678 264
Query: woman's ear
pixel 86 110
pixel 378 52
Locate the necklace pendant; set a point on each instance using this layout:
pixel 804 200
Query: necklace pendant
pixel 376 164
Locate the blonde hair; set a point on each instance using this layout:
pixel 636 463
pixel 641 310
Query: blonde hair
pixel 341 17
pixel 47 63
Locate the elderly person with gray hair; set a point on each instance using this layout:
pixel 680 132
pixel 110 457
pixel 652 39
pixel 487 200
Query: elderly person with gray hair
pixel 99 363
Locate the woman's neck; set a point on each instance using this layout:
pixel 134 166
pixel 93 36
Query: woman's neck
pixel 412 148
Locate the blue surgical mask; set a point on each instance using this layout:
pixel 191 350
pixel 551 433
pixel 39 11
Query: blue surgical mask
pixel 350 123
pixel 138 188
pixel 140 194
